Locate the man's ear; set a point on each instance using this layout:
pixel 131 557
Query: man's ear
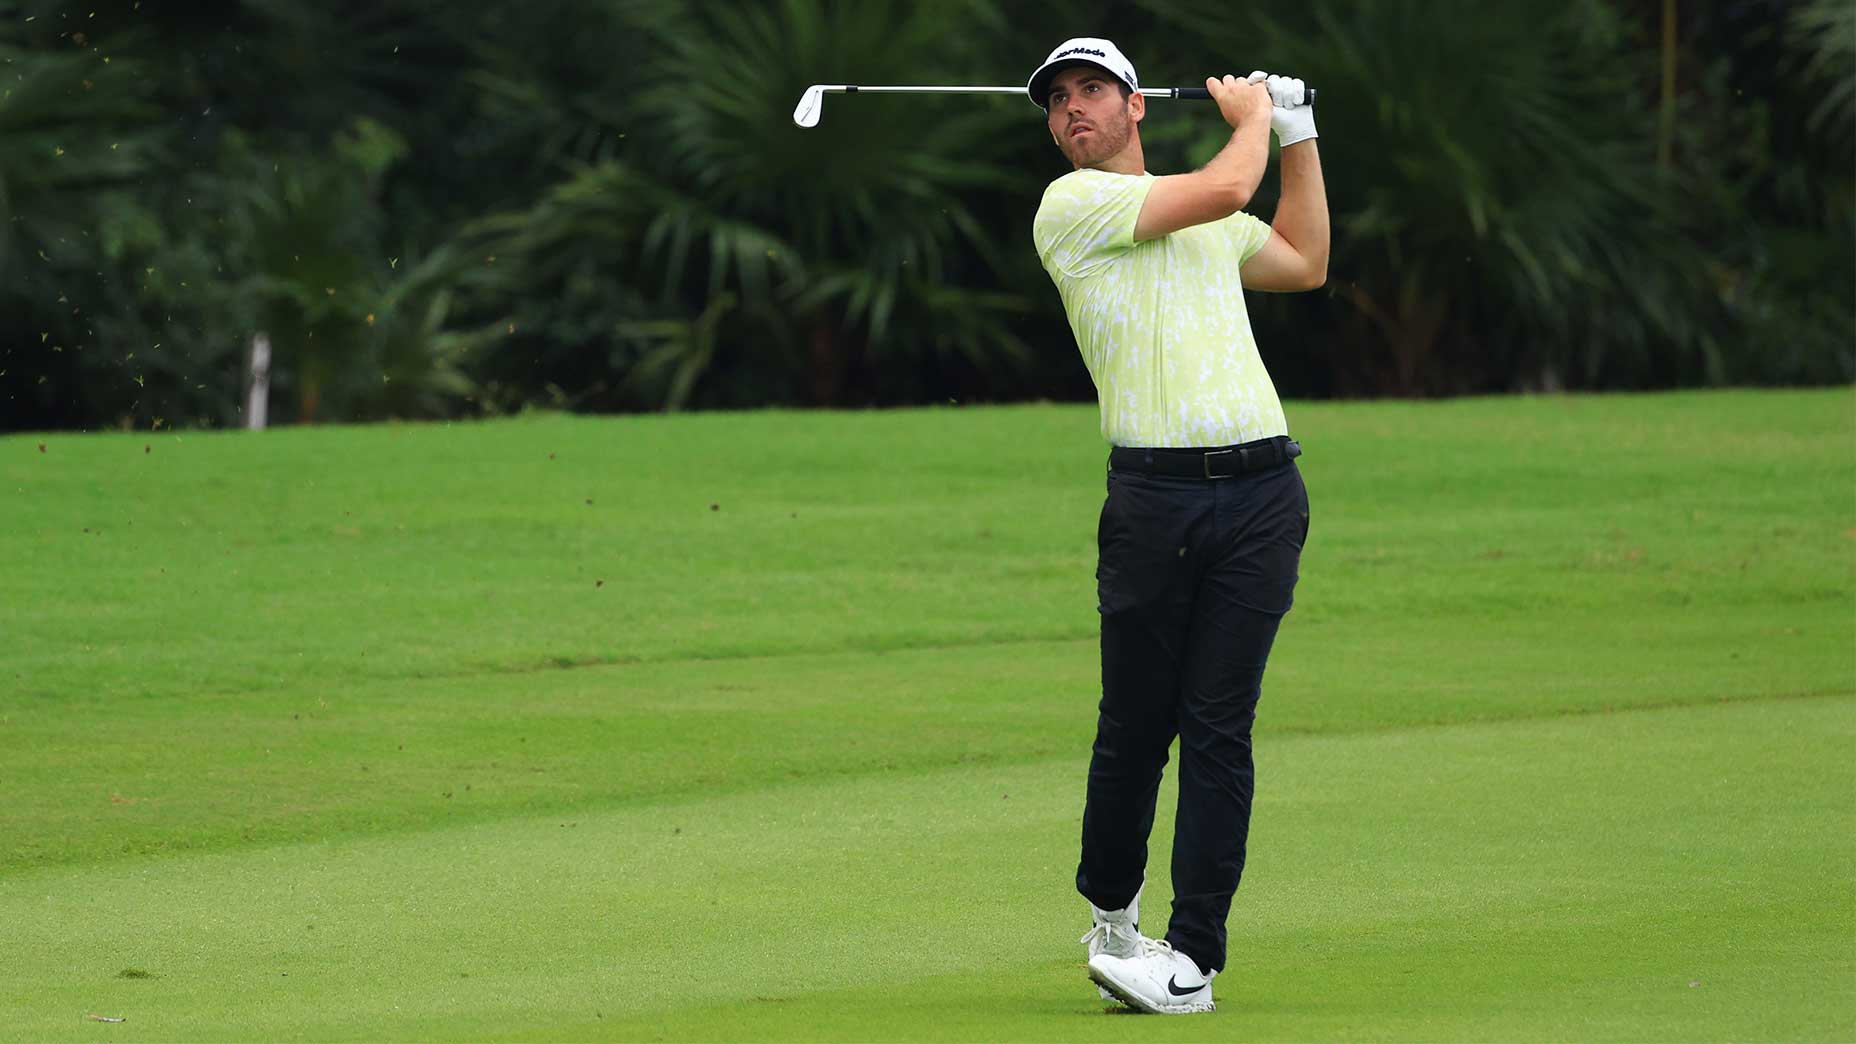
pixel 1137 106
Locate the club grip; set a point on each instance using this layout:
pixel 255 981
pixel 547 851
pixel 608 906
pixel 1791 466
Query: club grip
pixel 1201 94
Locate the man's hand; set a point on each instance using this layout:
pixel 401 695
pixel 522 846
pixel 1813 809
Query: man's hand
pixel 1290 117
pixel 1239 100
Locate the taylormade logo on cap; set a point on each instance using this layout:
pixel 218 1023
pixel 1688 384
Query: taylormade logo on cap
pixel 1097 52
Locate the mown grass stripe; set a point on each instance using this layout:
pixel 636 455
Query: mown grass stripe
pixel 1576 895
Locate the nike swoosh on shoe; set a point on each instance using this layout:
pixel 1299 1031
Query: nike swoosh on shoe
pixel 1173 987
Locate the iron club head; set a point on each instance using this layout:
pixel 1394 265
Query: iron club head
pixel 806 113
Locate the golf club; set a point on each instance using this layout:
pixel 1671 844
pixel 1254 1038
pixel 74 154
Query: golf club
pixel 807 112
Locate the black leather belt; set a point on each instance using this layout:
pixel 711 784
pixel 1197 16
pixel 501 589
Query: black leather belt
pixel 1227 462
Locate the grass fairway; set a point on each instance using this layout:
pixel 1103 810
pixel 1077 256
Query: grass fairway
pixel 773 726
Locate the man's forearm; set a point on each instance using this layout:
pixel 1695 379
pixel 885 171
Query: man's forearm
pixel 1302 214
pixel 1242 161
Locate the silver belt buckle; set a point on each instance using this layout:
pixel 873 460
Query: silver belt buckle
pixel 1207 462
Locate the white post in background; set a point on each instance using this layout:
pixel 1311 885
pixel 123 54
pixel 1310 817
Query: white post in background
pixel 259 398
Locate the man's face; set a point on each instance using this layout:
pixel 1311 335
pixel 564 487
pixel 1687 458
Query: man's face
pixel 1088 116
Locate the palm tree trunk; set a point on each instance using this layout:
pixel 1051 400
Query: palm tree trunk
pixel 310 399
pixel 826 364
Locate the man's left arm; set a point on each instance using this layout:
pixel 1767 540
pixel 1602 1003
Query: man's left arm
pixel 1296 255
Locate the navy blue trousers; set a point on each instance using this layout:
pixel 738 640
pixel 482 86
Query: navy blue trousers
pixel 1193 577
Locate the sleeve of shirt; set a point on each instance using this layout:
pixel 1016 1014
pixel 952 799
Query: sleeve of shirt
pixel 1087 219
pixel 1248 234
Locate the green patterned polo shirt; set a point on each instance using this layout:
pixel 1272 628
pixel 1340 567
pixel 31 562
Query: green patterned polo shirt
pixel 1161 324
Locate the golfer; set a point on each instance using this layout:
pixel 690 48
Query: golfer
pixel 1206 514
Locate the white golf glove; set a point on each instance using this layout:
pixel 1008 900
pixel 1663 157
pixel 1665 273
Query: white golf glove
pixel 1290 118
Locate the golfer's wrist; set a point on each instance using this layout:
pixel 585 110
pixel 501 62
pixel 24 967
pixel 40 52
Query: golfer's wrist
pixel 1294 128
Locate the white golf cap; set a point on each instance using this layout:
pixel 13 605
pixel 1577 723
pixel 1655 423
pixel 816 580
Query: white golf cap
pixel 1095 51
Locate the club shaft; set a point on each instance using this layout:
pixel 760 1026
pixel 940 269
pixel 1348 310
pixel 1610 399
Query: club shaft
pixel 1198 93
pixel 806 113
pixel 854 89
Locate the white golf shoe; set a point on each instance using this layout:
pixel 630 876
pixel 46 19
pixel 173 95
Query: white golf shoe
pixel 1159 979
pixel 1116 933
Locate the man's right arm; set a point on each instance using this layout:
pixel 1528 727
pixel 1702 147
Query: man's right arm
pixel 1221 187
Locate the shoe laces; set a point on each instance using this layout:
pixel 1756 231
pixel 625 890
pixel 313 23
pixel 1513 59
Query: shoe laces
pixel 1104 932
pixel 1156 947
pixel 1163 949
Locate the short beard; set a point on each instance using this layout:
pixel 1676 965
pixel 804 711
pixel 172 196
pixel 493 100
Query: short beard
pixel 1109 140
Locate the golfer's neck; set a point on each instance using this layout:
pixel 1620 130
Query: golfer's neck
pixel 1127 161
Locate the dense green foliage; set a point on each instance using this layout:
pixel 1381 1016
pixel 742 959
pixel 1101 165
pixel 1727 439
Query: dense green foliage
pixel 437 209
pixel 773 725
